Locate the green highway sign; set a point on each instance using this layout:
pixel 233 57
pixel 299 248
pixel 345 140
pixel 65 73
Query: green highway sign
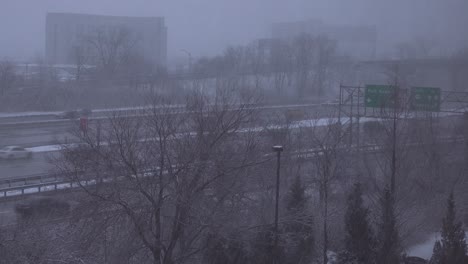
pixel 379 96
pixel 425 99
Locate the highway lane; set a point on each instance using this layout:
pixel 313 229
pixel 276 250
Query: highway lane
pixel 54 131
pixel 62 132
pixel 6 117
pixel 10 118
pixel 37 164
pixel 48 116
pixel 35 136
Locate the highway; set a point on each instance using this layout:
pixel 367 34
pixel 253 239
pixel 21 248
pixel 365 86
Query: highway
pixel 51 116
pixel 34 129
pixel 37 164
pixel 43 140
pixel 39 130
pixel 35 136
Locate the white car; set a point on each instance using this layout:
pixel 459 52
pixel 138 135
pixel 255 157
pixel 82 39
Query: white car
pixel 14 152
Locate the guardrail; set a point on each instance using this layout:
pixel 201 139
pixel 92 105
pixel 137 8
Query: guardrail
pixel 39 187
pixel 27 179
pixel 19 185
pixel 52 182
pixel 47 182
pixel 35 188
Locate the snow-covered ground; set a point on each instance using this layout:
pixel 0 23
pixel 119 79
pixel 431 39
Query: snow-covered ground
pixel 47 148
pixel 424 250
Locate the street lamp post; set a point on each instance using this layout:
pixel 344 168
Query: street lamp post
pixel 278 150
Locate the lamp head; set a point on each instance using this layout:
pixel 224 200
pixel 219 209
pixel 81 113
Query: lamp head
pixel 278 148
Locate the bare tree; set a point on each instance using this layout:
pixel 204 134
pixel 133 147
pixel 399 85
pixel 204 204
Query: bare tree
pixel 81 58
pixel 155 171
pixel 411 154
pixel 280 64
pixel 419 48
pixel 111 48
pixel 325 50
pixel 303 60
pixel 328 163
pixel 7 76
pixel 312 56
pixel 255 62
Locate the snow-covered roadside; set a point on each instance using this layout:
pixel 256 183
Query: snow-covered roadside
pixel 47 148
pixel 424 250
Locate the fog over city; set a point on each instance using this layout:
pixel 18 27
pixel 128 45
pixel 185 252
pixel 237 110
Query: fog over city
pixel 234 132
pixel 208 26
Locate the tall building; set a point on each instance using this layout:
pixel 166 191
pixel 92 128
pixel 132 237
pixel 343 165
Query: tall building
pixel 103 36
pixel 356 41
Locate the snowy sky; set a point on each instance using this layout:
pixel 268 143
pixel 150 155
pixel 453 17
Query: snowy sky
pixel 206 27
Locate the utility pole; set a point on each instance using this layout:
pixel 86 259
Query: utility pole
pixel 396 91
pixel 394 138
pixel 278 150
pixel 396 101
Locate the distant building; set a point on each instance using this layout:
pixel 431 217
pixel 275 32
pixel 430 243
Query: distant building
pixel 356 41
pixel 68 33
